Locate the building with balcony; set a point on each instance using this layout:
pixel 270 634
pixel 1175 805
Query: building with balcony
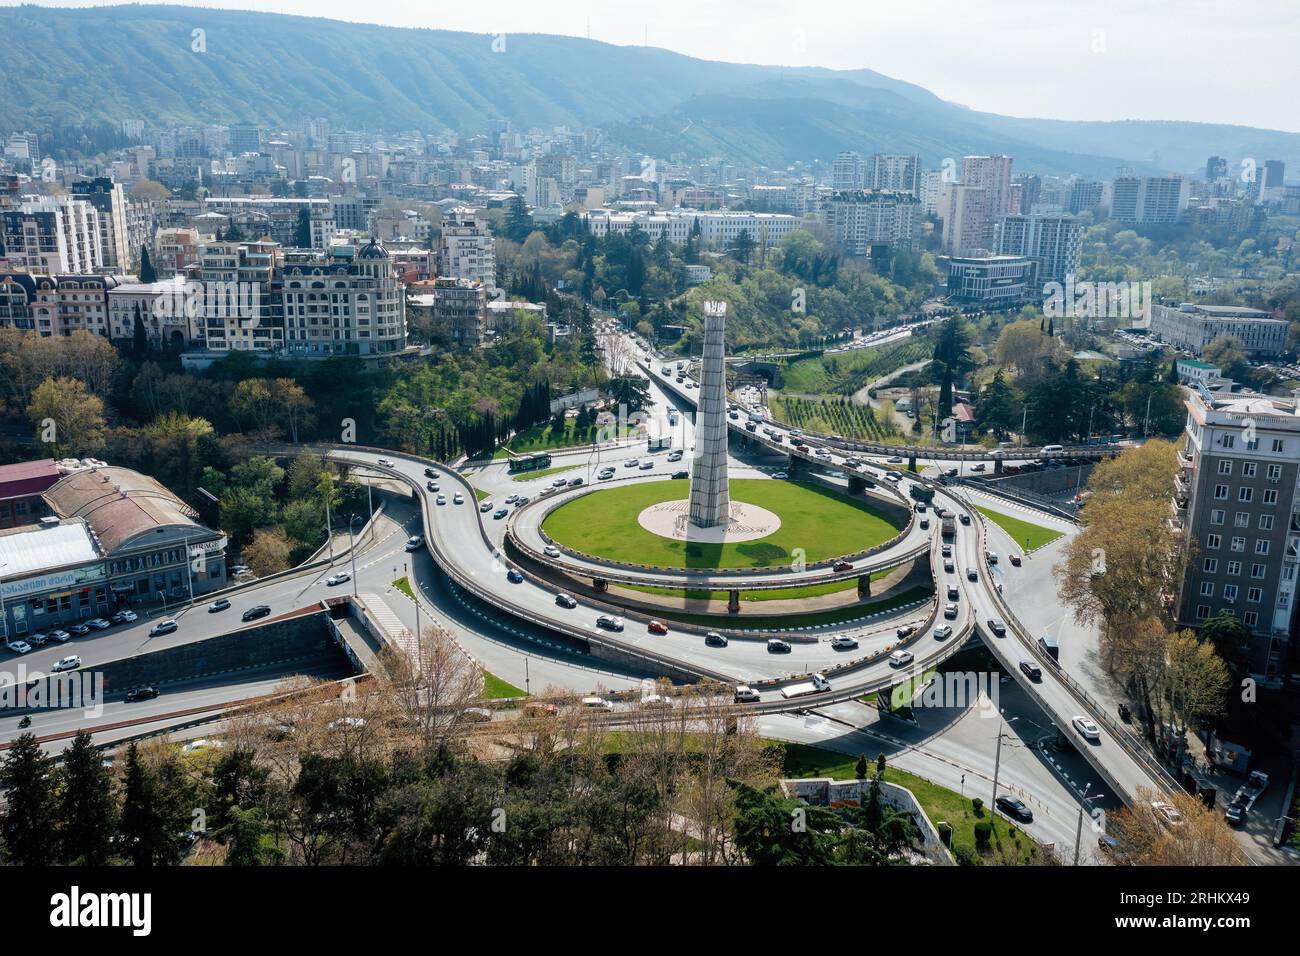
pixel 1236 502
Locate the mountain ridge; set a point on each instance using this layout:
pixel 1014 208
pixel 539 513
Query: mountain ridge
pixel 107 64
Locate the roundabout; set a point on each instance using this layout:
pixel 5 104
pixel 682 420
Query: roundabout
pixel 778 523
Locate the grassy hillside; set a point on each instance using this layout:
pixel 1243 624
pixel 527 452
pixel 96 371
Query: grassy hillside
pixel 105 64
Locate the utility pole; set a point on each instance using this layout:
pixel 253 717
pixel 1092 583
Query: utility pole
pixel 352 551
pixel 997 765
pixel 1024 414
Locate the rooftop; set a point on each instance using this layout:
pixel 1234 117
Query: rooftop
pixel 27 478
pixel 32 549
pixel 118 503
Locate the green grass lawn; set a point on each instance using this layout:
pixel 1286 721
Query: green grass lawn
pixel 481 495
pixel 530 475
pixel 494 688
pixel 1025 534
pixel 819 521
pixel 542 438
pixel 939 803
pixel 404 586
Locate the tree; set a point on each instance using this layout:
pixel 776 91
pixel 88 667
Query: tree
pixel 139 334
pixel 155 815
pixel 27 822
pixel 268 552
pixel 519 221
pixel 87 809
pixel 147 273
pixel 1147 838
pixel 632 392
pixel 951 359
pixel 771 831
pixel 432 690
pixel 246 837
pixel 1227 353
pixel 67 417
pixel 998 407
pixel 741 248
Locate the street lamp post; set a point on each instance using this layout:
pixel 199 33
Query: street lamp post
pixel 4 619
pixel 352 551
pixel 997 766
pixel 1078 830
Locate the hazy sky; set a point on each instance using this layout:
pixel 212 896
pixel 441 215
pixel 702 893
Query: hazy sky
pixel 1227 61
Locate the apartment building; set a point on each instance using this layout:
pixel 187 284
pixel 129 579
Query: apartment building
pixel 49 234
pixel 109 199
pixel 1053 242
pixel 993 175
pixel 1235 500
pixel 965 217
pixel 1192 326
pixel 872 223
pixel 56 304
pixel 896 172
pixel 262 217
pixel 166 309
pixel 236 309
pixel 175 251
pixel 1148 199
pixel 453 307
pixel 468 250
pixel 346 301
pixel 847 172
pixel 1086 196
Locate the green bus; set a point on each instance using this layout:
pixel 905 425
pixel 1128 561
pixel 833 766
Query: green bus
pixel 529 462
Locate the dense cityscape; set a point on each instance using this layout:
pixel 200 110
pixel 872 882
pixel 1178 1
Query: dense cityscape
pixel 523 493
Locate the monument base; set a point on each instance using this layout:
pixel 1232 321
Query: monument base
pixel 671 519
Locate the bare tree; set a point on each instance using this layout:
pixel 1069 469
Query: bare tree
pixel 1173 830
pixel 432 685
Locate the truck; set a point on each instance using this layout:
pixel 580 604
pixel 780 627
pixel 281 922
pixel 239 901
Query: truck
pixel 949 527
pixel 921 493
pixel 660 443
pixel 816 684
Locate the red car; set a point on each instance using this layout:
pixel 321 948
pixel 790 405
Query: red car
pixel 657 627
pixel 843 566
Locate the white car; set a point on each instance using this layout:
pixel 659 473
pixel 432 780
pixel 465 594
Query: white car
pixel 943 632
pixel 900 658
pixel 98 623
pixel 780 476
pixel 1167 813
pixel 442 499
pixel 338 578
pixel 459 499
pixel 61 636
pixel 19 647
pixel 632 463
pixel 552 551
pixel 68 663
pixel 386 463
pixel 1086 728
pixel 844 642
pixel 511 499
pixel 202 743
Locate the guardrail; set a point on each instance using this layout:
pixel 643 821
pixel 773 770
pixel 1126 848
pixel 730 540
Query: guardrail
pixel 1122 736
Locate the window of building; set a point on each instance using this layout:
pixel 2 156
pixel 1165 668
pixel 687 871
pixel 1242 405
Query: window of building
pixel 1254 595
pixel 1270 496
pixel 1212 540
pixel 1250 619
pixel 1265 522
pixel 1207 589
pixel 1216 516
pixel 1258 570
pixel 1245 494
pixel 1202 612
pixel 1225 467
pixel 1234 567
pixel 1210 565
pixel 1221 492
pixel 1241 519
pixel 1229 441
pixel 1277 444
pixel 1274 472
pixel 1261 546
pixel 1238 544
pixel 1230 592
pixel 1248 470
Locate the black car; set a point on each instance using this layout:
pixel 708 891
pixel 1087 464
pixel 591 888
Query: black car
pixel 964 518
pixel 430 473
pixel 681 474
pixel 714 639
pixel 1031 670
pixel 777 646
pixel 141 693
pixel 1015 809
pixel 253 613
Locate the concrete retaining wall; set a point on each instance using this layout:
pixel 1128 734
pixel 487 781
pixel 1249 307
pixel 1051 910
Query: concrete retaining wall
pixel 824 790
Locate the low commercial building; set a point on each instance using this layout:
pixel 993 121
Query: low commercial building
pixel 992 281
pixel 114 538
pixel 1193 326
pixel 21 487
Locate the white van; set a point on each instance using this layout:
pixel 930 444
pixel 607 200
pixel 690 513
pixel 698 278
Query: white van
pixel 1051 448
pixel 597 703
